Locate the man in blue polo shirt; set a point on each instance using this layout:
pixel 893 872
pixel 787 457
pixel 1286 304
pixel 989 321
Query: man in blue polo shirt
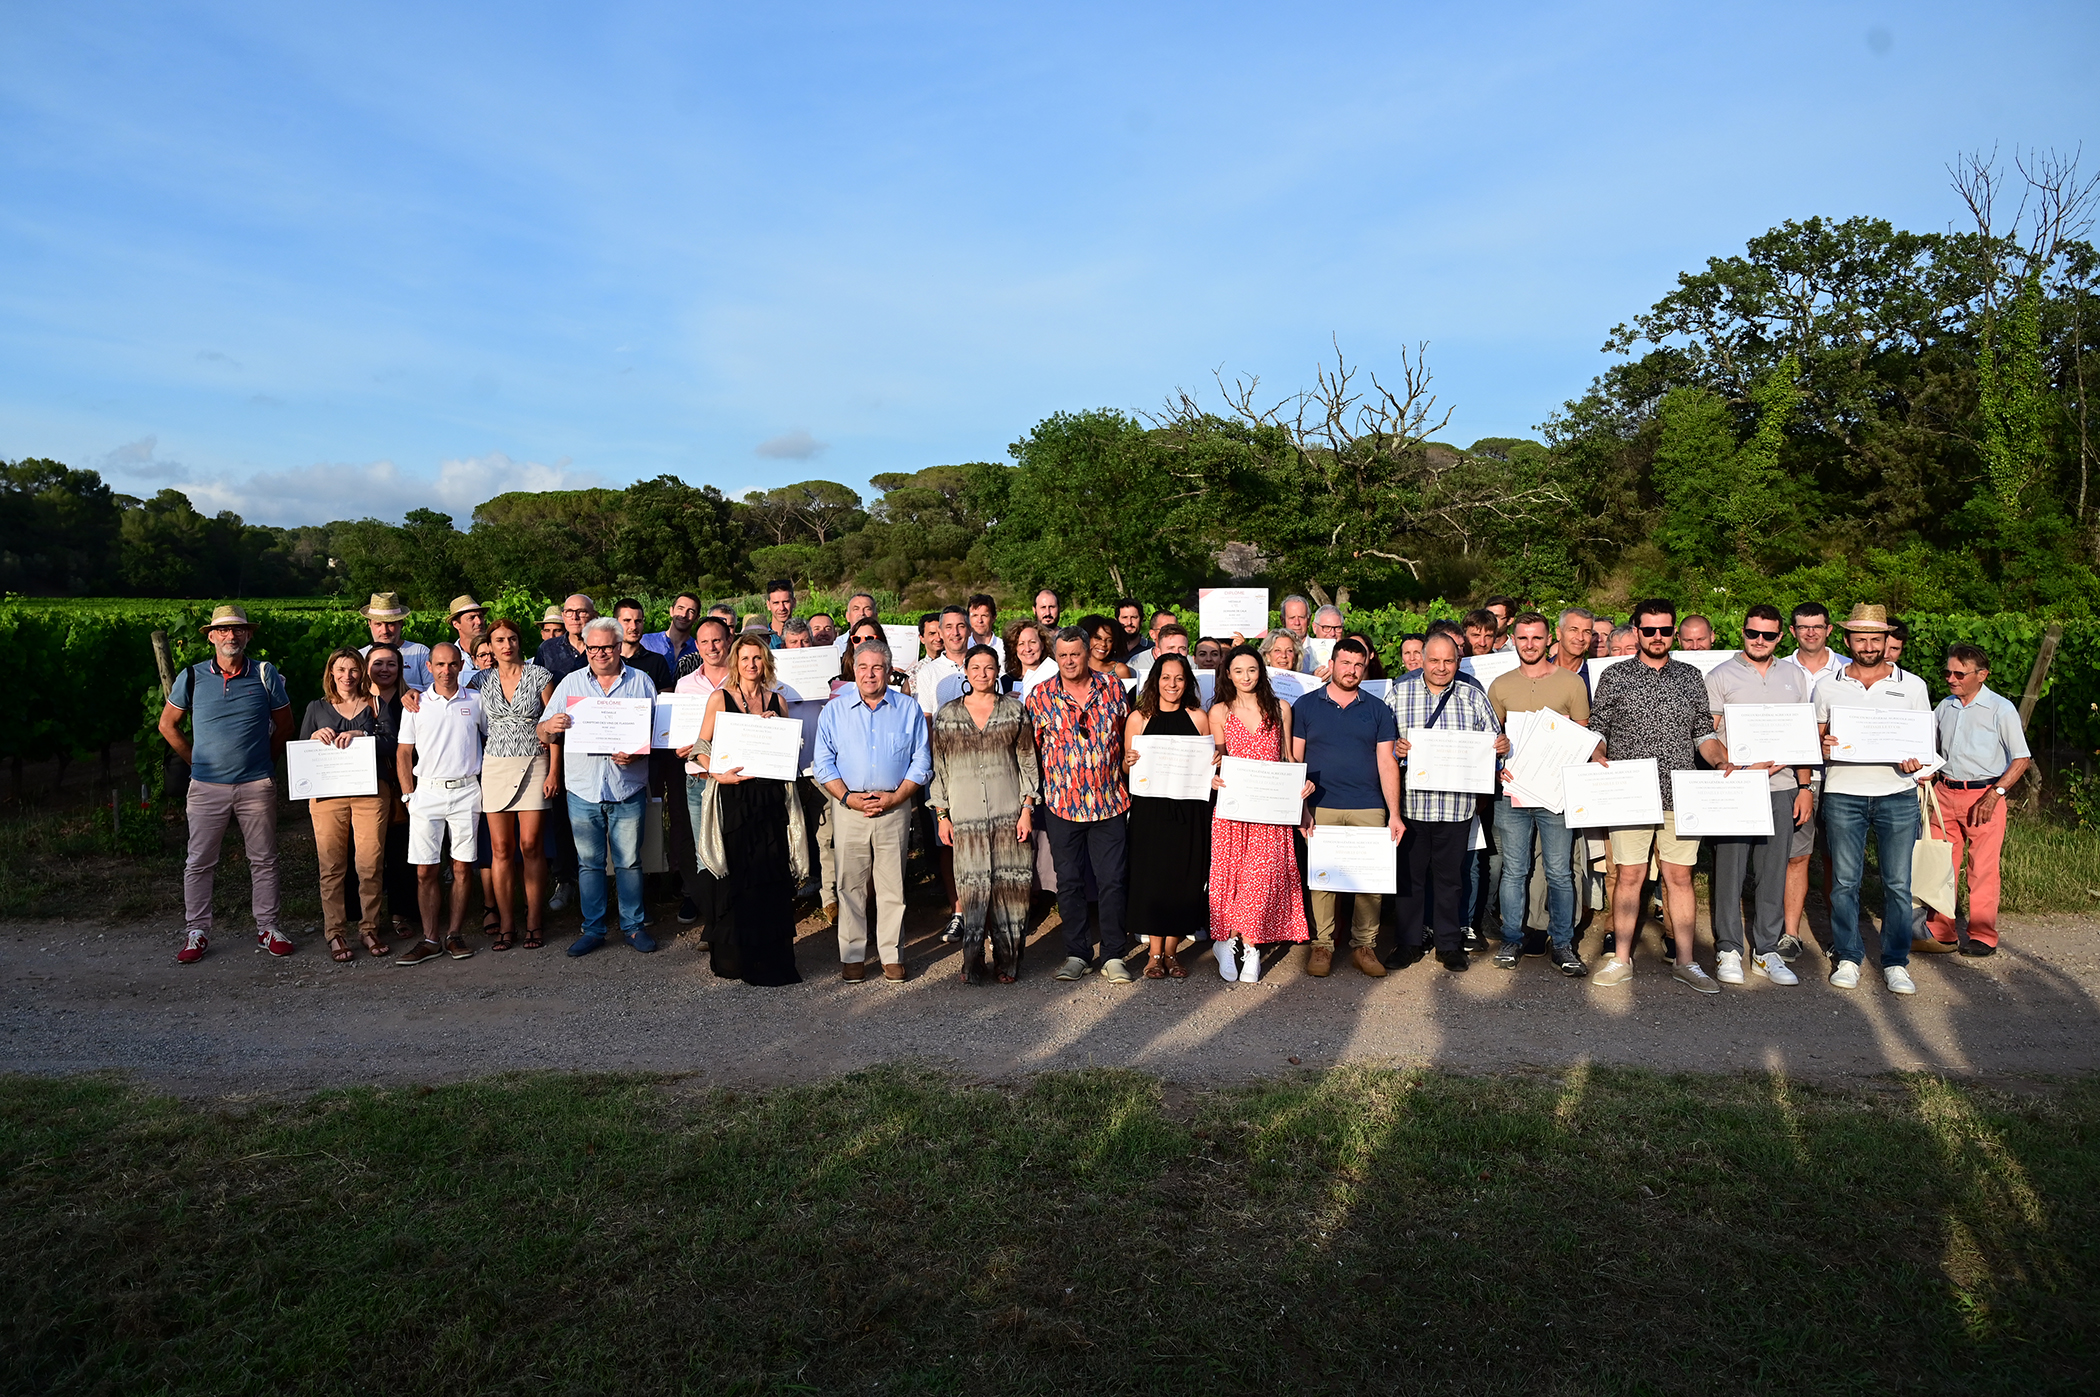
pixel 1345 738
pixel 239 718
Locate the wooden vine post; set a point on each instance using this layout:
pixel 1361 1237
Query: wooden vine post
pixel 2038 676
pixel 164 661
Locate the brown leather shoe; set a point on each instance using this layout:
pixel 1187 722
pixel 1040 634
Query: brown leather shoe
pixel 1319 960
pixel 853 970
pixel 1932 945
pixel 894 972
pixel 1367 961
pixel 831 913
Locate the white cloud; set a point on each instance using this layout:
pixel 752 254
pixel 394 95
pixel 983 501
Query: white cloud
pixel 138 460
pixel 796 445
pixel 325 491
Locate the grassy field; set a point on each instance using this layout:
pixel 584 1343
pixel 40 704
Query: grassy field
pixel 1362 1230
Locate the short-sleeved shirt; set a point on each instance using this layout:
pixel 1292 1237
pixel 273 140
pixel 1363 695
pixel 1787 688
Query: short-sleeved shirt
pixel 1737 681
pixel 559 658
pixel 655 666
pixel 1341 748
pixel 1901 690
pixel 1645 712
pixel 1081 744
pixel 230 719
pixel 1563 691
pixel 660 642
pixel 447 735
pixel 1981 738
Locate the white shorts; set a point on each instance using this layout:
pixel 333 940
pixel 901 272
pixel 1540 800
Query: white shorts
pixel 432 810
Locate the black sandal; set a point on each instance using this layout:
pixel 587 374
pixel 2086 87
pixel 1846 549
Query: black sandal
pixel 532 941
pixel 490 920
pixel 502 940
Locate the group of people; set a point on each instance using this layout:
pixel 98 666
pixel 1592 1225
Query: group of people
pixel 1008 756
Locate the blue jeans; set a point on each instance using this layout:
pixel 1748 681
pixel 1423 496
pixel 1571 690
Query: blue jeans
pixel 618 823
pixel 1894 821
pixel 1514 826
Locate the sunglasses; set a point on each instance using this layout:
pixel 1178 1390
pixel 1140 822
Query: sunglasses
pixel 1749 634
pixel 1658 630
pixel 1957 673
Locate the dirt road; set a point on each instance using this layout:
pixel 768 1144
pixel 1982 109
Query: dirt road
pixel 88 998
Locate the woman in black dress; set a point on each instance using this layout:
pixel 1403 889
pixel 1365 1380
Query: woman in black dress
pixel 1169 839
pixel 751 931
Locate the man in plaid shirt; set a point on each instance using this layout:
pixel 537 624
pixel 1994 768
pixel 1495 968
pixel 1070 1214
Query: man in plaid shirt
pixel 1078 719
pixel 1433 852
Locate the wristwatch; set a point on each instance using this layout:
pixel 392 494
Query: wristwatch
pixel 1997 790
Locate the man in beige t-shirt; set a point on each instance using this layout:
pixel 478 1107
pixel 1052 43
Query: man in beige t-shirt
pixel 1536 683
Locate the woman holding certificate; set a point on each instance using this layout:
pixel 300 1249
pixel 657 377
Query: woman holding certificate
pixel 383 683
pixel 343 824
pixel 751 929
pixel 984 791
pixel 1169 838
pixel 1254 893
pixel 520 775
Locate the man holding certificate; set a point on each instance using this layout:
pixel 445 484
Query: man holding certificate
pixel 1442 798
pixel 1867 708
pixel 1537 686
pixel 1653 707
pixel 1768 701
pixel 1345 738
pixel 607 789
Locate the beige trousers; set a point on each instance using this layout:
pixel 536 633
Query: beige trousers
pixel 864 847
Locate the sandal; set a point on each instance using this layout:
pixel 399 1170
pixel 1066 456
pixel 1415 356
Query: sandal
pixel 490 920
pixel 533 939
pixel 338 949
pixel 1005 978
pixel 374 946
pixel 1154 970
pixel 1175 969
pixel 502 940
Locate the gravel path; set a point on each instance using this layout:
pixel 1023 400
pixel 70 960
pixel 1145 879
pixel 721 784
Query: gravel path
pixel 89 998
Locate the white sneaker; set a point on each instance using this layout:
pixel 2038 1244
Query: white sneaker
pixel 1774 968
pixel 1250 965
pixel 1898 980
pixel 1228 969
pixel 1846 976
pixel 1728 967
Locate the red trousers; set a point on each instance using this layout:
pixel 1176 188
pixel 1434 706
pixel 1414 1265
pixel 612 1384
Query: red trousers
pixel 1983 843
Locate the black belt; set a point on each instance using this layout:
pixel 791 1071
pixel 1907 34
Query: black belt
pixel 1970 785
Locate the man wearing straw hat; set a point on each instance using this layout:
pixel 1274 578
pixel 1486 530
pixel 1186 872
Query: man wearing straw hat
pixel 240 717
pixel 469 620
pixel 384 614
pixel 1863 796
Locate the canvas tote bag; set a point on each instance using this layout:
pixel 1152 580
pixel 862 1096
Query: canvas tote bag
pixel 1932 860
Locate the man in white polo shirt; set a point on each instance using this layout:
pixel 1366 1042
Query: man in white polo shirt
pixel 1859 796
pixel 444 795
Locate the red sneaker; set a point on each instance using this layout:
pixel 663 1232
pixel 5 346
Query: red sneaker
pixel 193 948
pixel 275 942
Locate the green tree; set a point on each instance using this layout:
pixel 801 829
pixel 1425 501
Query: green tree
pixel 59 529
pixel 672 537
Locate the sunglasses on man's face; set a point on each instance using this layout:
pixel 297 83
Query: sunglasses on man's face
pixel 1749 634
pixel 1658 630
pixel 1957 673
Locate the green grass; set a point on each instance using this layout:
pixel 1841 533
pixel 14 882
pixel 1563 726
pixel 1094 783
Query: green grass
pixel 2049 867
pixel 1594 1231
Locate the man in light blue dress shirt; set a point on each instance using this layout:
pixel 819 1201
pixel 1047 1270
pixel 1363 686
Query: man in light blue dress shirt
pixel 872 756
pixel 607 795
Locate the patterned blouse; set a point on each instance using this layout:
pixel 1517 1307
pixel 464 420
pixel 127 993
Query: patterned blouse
pixel 1082 747
pixel 511 721
pixel 1659 713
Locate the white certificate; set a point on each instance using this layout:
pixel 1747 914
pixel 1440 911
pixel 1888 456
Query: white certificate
pixel 1351 859
pixel 1772 732
pixel 1891 735
pixel 805 675
pixel 1228 611
pixel 904 644
pixel 1490 667
pixel 768 747
pixel 1261 793
pixel 1171 768
pixel 1290 686
pixel 1705 661
pixel 1710 805
pixel 1376 688
pixel 1318 652
pixel 1448 759
pixel 323 771
pixel 1624 793
pixel 605 727
pixel 676 720
pixel 1543 745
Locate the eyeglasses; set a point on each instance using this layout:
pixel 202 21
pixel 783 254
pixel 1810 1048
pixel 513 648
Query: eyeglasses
pixel 1658 630
pixel 1749 634
pixel 599 649
pixel 577 611
pixel 1957 673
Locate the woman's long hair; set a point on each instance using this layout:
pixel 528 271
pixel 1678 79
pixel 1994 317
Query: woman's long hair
pixel 1013 644
pixel 400 674
pixel 1148 696
pixel 1228 689
pixel 767 680
pixel 328 689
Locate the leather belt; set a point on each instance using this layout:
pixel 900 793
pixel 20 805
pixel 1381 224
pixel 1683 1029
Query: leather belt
pixel 1970 785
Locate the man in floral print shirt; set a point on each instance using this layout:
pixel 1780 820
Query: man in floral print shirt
pixel 1078 720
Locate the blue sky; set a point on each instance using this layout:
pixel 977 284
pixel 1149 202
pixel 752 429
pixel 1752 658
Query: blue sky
pixel 320 262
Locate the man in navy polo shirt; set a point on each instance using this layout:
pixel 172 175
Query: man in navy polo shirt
pixel 1345 738
pixel 239 718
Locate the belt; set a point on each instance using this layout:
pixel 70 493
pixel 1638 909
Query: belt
pixel 1970 785
pixel 456 784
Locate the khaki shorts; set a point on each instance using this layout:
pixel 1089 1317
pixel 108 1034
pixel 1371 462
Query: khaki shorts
pixel 1631 843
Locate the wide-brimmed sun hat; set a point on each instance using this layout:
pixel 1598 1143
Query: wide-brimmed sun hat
pixel 227 616
pixel 384 606
pixel 461 605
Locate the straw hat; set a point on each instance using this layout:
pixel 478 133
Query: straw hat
pixel 384 606
pixel 551 616
pixel 227 616
pixel 1873 619
pixel 461 605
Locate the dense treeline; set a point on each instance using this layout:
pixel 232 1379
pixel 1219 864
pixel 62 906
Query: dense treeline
pixel 1843 410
